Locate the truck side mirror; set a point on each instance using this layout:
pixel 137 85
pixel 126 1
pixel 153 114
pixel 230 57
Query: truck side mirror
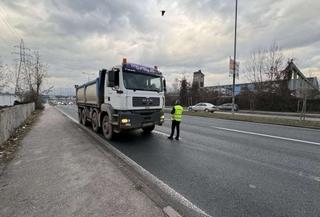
pixel 164 85
pixel 113 78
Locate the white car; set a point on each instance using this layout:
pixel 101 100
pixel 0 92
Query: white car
pixel 207 107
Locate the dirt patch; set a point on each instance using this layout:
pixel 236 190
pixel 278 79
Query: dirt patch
pixel 257 119
pixel 9 148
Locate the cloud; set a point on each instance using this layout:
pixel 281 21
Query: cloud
pixel 85 36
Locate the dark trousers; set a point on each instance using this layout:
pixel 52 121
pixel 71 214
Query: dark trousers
pixel 175 124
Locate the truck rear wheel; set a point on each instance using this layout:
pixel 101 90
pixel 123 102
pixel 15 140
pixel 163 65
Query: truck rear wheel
pixel 148 129
pixel 84 118
pixel 94 122
pixel 107 128
pixel 80 116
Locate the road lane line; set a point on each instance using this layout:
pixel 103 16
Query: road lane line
pixel 267 135
pixel 70 117
pixel 163 134
pixel 145 173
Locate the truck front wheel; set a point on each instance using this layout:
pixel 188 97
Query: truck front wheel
pixel 148 129
pixel 107 128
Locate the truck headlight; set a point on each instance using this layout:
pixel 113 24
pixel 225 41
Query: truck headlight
pixel 162 117
pixel 125 120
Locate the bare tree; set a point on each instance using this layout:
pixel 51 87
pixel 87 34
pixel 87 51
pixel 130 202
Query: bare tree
pixel 274 63
pixel 30 80
pixel 4 76
pixel 38 75
pixel 176 85
pixel 184 89
pixel 265 69
pixel 255 67
pixel 266 66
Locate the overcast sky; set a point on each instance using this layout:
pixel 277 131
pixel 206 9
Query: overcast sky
pixel 76 36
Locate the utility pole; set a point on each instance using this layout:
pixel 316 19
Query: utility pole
pixel 22 67
pixel 234 56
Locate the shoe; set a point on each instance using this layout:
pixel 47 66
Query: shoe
pixel 177 138
pixel 170 138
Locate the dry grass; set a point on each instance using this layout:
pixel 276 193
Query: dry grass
pixel 257 119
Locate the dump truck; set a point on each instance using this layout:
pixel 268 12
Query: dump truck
pixel 125 97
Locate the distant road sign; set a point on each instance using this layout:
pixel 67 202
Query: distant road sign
pixel 231 68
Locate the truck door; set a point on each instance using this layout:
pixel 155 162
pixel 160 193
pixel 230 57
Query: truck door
pixel 112 88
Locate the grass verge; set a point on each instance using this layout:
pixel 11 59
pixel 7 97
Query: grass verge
pixel 256 119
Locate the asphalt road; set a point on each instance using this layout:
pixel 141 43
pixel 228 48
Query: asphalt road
pixel 231 168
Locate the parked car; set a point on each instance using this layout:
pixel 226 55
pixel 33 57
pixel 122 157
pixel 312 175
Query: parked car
pixel 228 107
pixel 207 107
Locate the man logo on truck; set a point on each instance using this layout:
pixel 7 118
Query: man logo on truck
pixel 147 101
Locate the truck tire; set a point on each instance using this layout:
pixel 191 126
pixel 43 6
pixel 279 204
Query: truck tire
pixel 95 122
pixel 148 129
pixel 107 128
pixel 84 120
pixel 80 116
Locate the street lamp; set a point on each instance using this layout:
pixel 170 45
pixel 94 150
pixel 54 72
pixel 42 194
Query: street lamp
pixel 234 55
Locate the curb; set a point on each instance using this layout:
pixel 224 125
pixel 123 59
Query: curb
pixel 183 205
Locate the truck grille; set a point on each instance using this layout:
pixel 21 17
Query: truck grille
pixel 144 101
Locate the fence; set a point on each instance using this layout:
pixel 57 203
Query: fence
pixel 13 117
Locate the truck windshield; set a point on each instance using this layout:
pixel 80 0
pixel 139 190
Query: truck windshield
pixel 136 81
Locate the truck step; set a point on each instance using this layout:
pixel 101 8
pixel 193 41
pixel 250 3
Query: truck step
pixel 115 123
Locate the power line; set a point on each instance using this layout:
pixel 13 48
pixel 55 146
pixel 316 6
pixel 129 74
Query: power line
pixel 12 29
pixel 6 41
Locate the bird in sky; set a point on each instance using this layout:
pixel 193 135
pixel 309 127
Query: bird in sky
pixel 163 12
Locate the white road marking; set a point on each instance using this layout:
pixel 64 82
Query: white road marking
pixel 163 134
pixel 316 178
pixel 252 186
pixel 171 212
pixel 70 117
pixel 17 163
pixel 267 135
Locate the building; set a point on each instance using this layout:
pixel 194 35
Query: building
pixel 7 99
pixel 297 83
pixel 198 79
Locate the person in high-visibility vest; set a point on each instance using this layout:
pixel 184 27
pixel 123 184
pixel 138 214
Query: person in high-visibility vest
pixel 176 117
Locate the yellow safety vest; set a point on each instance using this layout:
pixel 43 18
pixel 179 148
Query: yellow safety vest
pixel 177 116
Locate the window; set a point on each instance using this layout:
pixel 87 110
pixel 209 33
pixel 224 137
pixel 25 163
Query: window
pixel 138 81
